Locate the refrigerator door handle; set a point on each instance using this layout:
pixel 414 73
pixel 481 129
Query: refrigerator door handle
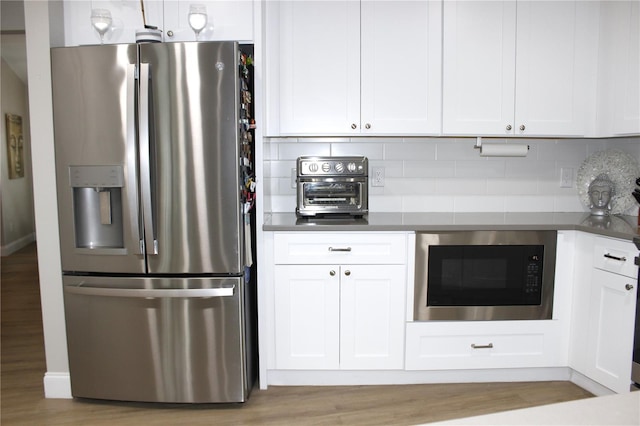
pixel 225 291
pixel 132 161
pixel 151 244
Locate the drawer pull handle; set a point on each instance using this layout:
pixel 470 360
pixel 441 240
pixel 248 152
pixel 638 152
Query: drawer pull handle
pixel 610 256
pixel 489 346
pixel 629 287
pixel 339 249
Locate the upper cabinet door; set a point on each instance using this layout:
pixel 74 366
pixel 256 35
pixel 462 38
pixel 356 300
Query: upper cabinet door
pixel 126 19
pixel 619 63
pixel 352 68
pixel 479 67
pixel 226 20
pixel 543 90
pixel 319 63
pixel 627 79
pixel 401 67
pixel 554 61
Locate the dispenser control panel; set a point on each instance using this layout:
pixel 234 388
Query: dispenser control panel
pixel 96 176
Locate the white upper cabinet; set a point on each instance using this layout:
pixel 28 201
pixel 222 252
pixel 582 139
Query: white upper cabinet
pixel 518 68
pixel 349 67
pixel 400 73
pixel 227 20
pixel 319 66
pixel 479 43
pixel 619 69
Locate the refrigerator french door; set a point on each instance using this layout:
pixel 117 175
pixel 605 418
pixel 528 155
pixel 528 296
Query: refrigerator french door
pixel 152 151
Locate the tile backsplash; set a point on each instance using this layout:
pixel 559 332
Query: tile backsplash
pixel 447 174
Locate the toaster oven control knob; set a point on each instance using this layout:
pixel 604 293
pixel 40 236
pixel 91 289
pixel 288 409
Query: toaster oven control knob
pixel 339 167
pixel 313 167
pixel 351 167
pixel 326 167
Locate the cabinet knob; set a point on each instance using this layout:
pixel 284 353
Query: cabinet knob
pixel 169 33
pixel 522 127
pixel 332 273
pixel 367 126
pixel 347 272
pixel 509 127
pixel 629 287
pixel 353 126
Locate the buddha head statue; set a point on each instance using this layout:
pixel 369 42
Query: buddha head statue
pixel 601 191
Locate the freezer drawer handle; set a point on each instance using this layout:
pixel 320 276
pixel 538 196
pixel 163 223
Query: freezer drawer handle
pixel 151 293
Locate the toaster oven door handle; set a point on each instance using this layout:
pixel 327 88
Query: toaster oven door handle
pixel 332 249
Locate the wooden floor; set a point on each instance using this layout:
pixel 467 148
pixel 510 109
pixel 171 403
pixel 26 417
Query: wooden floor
pixel 23 402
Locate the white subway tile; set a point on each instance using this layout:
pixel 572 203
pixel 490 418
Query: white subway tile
pixel 563 150
pixel 512 187
pixel 385 203
pixel 531 169
pixel 529 203
pixel 427 203
pixel 371 150
pixel 451 186
pixel 479 204
pixel 291 151
pixel 282 168
pixel 284 187
pixel 283 203
pixel 457 149
pixel 392 169
pixel 406 186
pixel 413 168
pixel 402 151
pixel 480 169
pixel 568 203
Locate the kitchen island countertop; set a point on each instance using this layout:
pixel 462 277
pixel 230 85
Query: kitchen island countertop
pixel 623 227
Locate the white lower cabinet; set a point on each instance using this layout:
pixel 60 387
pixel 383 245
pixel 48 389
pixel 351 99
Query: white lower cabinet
pixel 339 316
pixel 449 345
pixel 604 311
pixel 610 341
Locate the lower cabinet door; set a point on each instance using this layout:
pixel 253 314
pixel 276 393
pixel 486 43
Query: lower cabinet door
pixel 307 317
pixel 339 317
pixel 372 323
pixel 611 324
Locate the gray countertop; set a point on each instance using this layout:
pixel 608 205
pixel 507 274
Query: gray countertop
pixel 624 227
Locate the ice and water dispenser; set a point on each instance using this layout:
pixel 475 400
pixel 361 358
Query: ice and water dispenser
pixel 97 206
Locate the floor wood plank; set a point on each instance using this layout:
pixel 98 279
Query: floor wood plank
pixel 23 402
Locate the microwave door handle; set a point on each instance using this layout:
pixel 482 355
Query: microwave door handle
pixel 132 161
pixel 151 244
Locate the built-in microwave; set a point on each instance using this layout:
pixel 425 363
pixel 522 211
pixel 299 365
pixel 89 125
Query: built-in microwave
pixel 484 275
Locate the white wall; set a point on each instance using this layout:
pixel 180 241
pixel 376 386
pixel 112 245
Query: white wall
pixel 447 174
pixel 56 380
pixel 18 226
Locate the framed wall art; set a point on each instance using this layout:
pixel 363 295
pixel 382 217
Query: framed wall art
pixel 15 146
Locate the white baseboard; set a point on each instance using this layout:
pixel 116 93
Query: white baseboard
pixel 589 385
pixel 57 386
pixel 16 245
pixel 339 378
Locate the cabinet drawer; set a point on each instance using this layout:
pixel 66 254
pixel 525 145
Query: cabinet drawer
pixel 354 248
pixel 468 346
pixel 615 256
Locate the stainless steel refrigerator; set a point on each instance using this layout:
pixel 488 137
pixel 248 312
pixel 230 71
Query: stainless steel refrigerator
pixel 155 189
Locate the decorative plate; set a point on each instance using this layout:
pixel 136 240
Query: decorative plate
pixel 622 170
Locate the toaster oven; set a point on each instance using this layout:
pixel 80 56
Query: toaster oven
pixel 332 186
